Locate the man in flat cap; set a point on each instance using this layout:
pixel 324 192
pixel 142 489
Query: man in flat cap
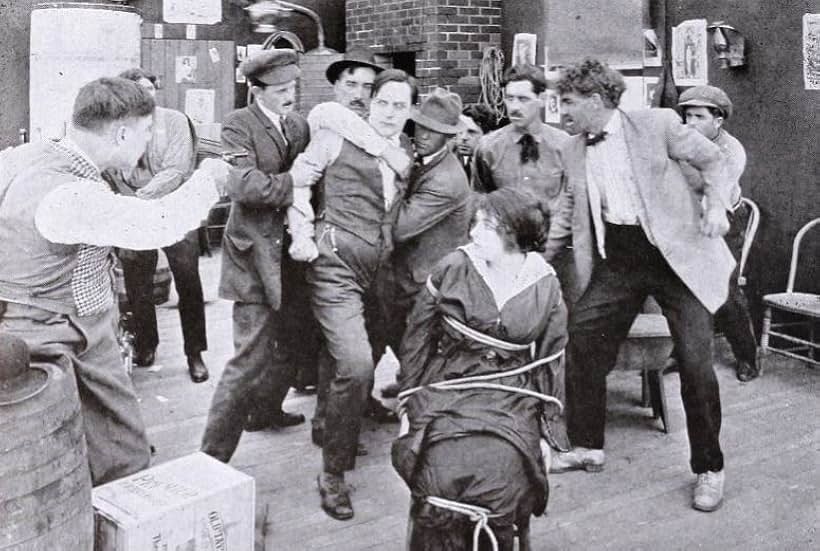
pixel 705 108
pixel 254 263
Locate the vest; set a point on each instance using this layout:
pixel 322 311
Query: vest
pixel 352 196
pixel 35 271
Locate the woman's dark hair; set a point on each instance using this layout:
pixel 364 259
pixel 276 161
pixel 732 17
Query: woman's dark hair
pixel 520 215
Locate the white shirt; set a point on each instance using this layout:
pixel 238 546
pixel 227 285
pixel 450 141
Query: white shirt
pixel 613 192
pixel 275 118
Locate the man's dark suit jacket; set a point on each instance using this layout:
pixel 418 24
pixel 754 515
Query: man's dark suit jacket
pixel 260 190
pixel 433 219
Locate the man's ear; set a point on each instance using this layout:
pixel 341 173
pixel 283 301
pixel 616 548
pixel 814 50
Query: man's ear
pixel 120 133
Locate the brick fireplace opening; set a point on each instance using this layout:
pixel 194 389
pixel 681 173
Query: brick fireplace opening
pixel 440 42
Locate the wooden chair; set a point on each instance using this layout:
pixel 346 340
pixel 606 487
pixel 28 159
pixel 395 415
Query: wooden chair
pixel 803 311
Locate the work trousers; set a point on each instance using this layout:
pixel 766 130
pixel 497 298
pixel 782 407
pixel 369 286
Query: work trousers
pixel 733 319
pixel 86 348
pixel 344 283
pixel 138 270
pixel 256 380
pixel 599 323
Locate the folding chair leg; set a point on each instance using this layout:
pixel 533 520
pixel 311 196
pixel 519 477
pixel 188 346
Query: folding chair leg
pixel 657 394
pixel 646 396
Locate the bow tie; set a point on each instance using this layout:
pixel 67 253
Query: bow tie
pixel 593 139
pixel 529 149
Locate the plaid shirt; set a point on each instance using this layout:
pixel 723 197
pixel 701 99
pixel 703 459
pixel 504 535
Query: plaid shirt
pixel 92 281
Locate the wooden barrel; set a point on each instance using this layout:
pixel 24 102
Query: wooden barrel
pixel 45 484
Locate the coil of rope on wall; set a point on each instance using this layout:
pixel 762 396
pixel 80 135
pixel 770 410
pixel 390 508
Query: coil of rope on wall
pixel 490 76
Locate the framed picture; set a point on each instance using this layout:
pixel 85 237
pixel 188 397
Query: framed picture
pixel 552 106
pixel 524 45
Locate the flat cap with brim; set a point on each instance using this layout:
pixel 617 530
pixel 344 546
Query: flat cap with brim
pixel 272 66
pixel 440 112
pixel 18 379
pixel 357 56
pixel 706 96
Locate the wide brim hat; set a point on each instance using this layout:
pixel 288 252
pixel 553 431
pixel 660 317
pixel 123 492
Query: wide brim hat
pixel 440 112
pixel 19 380
pixel 358 56
pixel 272 67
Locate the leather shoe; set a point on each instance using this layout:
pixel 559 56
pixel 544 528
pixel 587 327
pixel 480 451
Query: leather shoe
pixel 747 371
pixel 197 369
pixel 335 496
pixel 317 435
pixel 708 494
pixel 376 411
pixel 578 459
pixel 277 420
pixel 145 358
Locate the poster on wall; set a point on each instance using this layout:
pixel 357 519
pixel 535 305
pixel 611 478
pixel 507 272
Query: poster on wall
pixel 811 51
pixel 185 68
pixel 524 49
pixel 199 105
pixel 650 86
pixel 192 12
pixel 552 106
pixel 651 52
pixel 689 56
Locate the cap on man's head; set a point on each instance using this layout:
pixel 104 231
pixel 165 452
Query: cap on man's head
pixel 706 96
pixel 440 112
pixel 272 67
pixel 357 56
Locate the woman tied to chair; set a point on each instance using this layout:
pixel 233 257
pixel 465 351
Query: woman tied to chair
pixel 480 362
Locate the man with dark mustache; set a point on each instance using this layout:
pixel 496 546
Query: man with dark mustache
pixel 525 152
pixel 255 264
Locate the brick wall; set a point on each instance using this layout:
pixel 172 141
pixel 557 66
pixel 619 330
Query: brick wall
pixel 447 36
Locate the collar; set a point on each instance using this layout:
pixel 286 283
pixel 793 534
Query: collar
pixel 427 159
pixel 82 164
pixel 534 132
pixel 615 124
pixel 275 118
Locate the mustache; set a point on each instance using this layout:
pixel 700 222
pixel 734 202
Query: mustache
pixel 357 103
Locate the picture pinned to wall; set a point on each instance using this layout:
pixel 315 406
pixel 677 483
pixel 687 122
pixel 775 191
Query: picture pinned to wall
pixel 199 105
pixel 552 106
pixel 651 51
pixel 241 55
pixel 185 68
pixel 524 45
pixel 689 55
pixel 650 88
pixel 811 51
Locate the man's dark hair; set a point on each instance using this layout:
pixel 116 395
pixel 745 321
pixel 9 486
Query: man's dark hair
pixel 593 77
pixel 481 114
pixel 714 111
pixel 137 73
pixel 395 75
pixel 531 73
pixel 522 217
pixel 106 100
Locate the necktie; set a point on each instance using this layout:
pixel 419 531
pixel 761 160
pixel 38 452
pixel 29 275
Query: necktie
pixel 593 139
pixel 529 149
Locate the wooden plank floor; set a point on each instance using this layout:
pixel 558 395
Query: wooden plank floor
pixel 770 436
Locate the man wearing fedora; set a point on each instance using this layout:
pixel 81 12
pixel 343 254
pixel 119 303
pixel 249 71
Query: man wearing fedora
pixel 59 222
pixel 254 263
pixel 434 217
